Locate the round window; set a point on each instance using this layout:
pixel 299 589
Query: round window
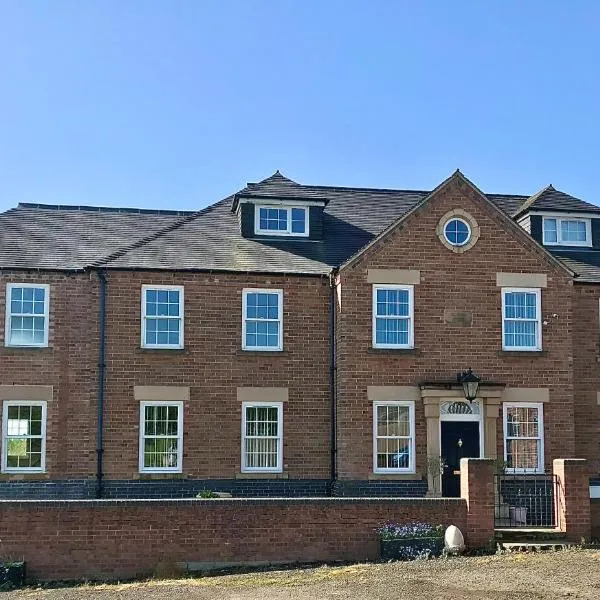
pixel 457 232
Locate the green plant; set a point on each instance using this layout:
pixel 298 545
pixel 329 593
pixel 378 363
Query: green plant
pixel 12 574
pixel 207 494
pixel 500 466
pixel 435 467
pixel 410 541
pixel 168 569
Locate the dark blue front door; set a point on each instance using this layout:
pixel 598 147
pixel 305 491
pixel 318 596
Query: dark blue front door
pixel 460 439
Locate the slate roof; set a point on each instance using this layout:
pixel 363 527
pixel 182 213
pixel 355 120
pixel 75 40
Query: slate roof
pixel 70 238
pixel 278 186
pixel 584 262
pixel 554 200
pixel 75 238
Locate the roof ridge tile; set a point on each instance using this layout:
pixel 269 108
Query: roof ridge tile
pixel 111 209
pixel 277 177
pixel 531 200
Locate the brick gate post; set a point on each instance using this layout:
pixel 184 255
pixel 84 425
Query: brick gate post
pixel 477 489
pixel 573 498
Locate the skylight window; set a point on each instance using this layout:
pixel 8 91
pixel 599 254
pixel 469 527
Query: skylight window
pixel 281 220
pixel 560 231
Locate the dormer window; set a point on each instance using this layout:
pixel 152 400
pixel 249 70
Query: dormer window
pixel 281 220
pixel 567 231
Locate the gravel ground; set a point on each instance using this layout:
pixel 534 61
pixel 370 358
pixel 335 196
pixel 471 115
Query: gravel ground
pixel 566 574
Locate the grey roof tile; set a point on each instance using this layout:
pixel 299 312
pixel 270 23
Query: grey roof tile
pixel 278 186
pixel 584 263
pixel 551 199
pixel 213 241
pixel 71 238
pixel 352 218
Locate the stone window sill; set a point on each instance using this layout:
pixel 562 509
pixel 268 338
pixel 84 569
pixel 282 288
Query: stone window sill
pixel 395 477
pixel 522 353
pixel 396 351
pixel 260 475
pixel 24 476
pixel 19 349
pixel 259 353
pixel 162 476
pixel 163 350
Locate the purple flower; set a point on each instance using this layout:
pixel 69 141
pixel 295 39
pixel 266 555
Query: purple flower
pixel 415 529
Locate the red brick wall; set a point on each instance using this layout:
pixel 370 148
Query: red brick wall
pixel 477 488
pixel 213 365
pixel 573 498
pixel 465 282
pixel 104 539
pixel 69 365
pixel 586 373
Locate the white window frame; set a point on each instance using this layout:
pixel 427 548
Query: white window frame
pixel 411 414
pixel 179 405
pixel 559 240
pixel 279 293
pixel 5 405
pixel 464 222
pixel 538 310
pixel 279 468
pixel 411 328
pixel 288 232
pixel 540 408
pixel 178 288
pixel 46 315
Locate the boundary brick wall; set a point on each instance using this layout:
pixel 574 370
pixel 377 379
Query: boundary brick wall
pixel 112 539
pixel 115 539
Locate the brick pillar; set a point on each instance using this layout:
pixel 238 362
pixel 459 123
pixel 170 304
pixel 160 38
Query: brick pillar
pixel 477 488
pixel 573 498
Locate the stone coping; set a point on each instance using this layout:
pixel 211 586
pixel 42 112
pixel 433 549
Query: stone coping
pixel 230 501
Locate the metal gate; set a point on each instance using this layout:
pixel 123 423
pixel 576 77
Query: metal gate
pixel 525 501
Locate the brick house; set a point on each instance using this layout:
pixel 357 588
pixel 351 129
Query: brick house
pixel 297 340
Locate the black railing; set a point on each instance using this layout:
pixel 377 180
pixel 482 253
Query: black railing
pixel 526 501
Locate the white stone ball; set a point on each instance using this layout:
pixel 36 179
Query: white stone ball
pixel 454 540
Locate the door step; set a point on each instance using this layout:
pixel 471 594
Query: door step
pixel 548 546
pixel 531 540
pixel 524 535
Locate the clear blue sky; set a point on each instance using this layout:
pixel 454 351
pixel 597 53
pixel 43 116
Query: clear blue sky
pixel 176 104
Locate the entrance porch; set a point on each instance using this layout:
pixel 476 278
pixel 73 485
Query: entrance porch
pixel 458 429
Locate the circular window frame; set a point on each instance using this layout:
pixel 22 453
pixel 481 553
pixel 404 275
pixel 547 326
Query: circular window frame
pixel 468 220
pixel 460 220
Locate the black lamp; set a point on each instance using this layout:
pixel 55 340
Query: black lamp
pixel 470 382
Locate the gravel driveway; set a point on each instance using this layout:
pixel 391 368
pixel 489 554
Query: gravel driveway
pixel 566 574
